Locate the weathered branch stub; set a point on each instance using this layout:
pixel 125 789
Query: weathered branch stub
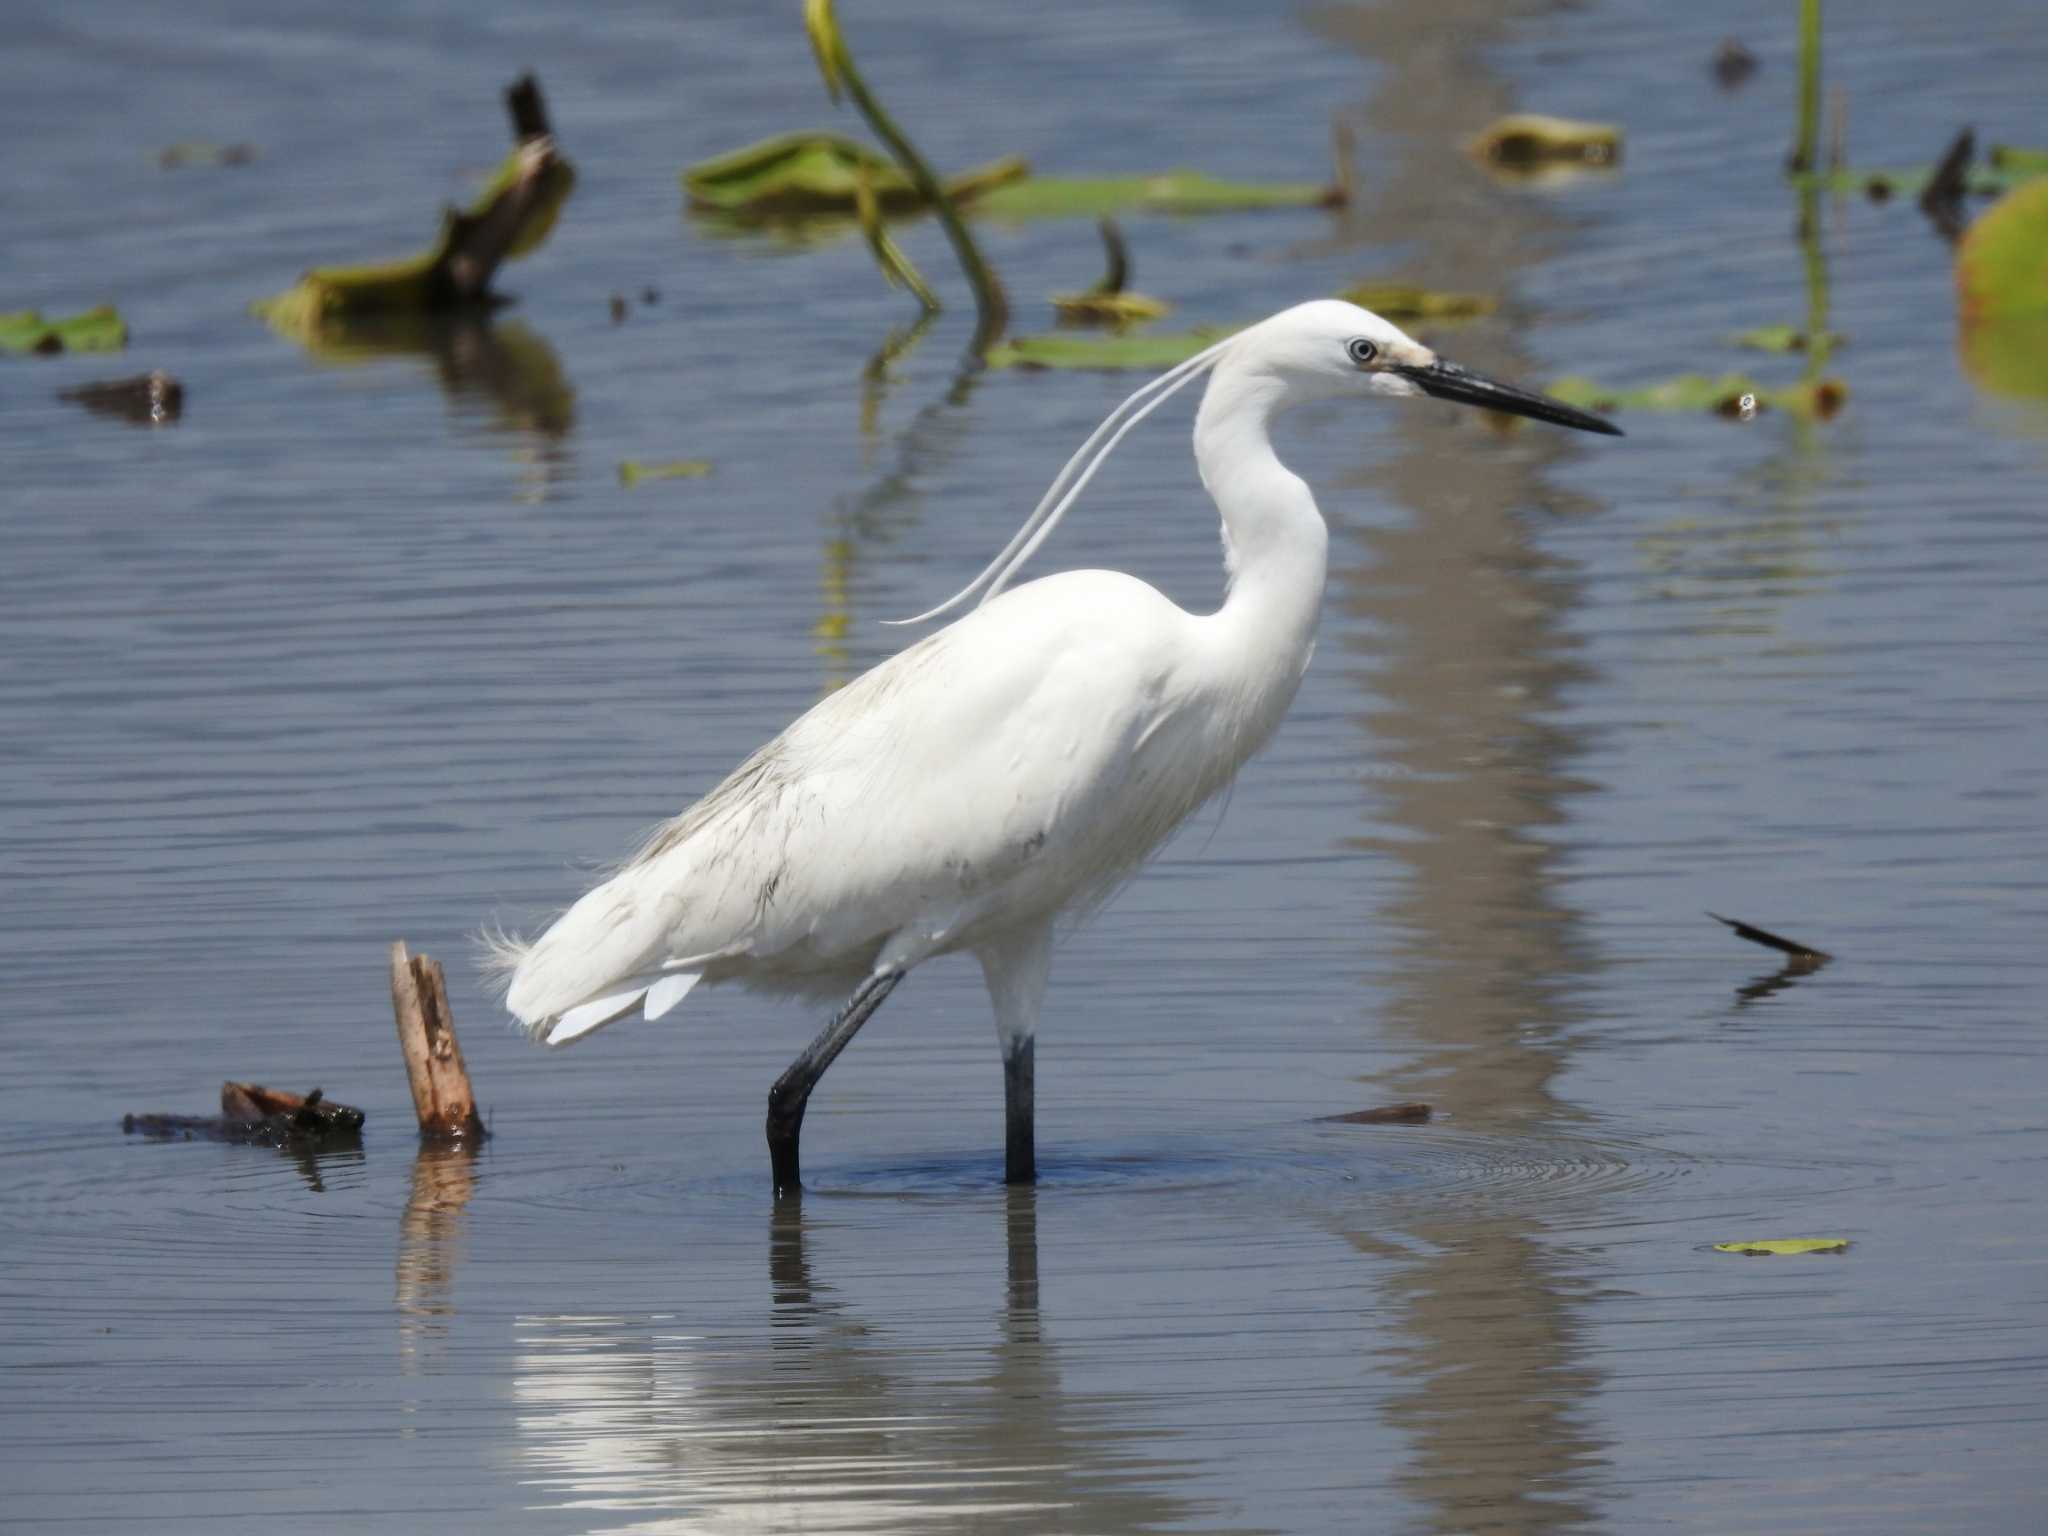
pixel 441 1095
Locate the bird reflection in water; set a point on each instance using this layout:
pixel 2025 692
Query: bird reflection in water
pixel 843 1416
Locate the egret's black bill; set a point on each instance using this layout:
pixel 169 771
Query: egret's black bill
pixel 1447 381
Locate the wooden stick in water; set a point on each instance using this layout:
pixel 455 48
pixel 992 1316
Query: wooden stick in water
pixel 441 1095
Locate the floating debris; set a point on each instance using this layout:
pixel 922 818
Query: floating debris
pixel 633 471
pixel 618 309
pixel 1770 940
pixel 1109 302
pixel 252 1115
pixel 148 399
pixel 1173 192
pixel 1529 141
pixel 1733 64
pixel 196 152
pixel 95 330
pixel 511 218
pixel 1782 1245
pixel 1386 1114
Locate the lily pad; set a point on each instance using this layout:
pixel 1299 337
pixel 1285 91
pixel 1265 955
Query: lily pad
pixel 1530 140
pixel 1104 353
pixel 1724 396
pixel 1405 303
pixel 95 330
pixel 2002 262
pixel 633 471
pixel 1782 1245
pixel 2002 294
pixel 795 175
pixel 1189 192
pixel 1783 338
pixel 1108 308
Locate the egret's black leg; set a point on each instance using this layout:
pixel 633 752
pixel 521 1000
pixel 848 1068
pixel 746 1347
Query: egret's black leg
pixel 1020 1155
pixel 792 1090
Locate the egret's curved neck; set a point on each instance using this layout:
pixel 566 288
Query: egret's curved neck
pixel 1276 547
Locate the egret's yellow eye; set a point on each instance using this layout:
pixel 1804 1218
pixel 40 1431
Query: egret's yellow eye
pixel 1361 350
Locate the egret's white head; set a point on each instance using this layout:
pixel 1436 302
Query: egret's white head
pixel 1327 349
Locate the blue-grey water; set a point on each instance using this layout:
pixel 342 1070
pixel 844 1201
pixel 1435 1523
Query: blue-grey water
pixel 374 644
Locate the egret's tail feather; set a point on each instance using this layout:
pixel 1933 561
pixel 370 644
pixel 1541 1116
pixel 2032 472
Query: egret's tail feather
pixel 585 1017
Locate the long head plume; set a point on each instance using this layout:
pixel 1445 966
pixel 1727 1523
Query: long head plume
pixel 1073 478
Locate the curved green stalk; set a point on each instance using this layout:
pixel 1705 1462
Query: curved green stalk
pixel 835 63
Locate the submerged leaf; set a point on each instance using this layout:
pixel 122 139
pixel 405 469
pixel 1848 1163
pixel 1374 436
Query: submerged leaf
pixel 798 175
pixel 1103 353
pixel 633 471
pixel 1526 141
pixel 1404 302
pixel 94 330
pixel 1775 1245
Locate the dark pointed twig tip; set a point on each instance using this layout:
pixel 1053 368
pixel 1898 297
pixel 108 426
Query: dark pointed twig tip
pixel 1770 940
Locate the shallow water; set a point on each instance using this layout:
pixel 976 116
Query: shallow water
pixel 380 647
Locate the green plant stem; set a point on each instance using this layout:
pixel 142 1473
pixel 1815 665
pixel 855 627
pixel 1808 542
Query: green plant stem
pixel 1805 153
pixel 991 308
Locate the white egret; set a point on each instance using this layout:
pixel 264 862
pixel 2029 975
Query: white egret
pixel 1007 771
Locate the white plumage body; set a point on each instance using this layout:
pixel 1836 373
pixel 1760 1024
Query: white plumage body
pixel 1015 765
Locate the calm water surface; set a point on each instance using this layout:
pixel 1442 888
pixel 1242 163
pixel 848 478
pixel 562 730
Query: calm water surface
pixel 374 644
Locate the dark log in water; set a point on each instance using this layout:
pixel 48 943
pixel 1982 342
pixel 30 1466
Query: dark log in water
pixel 262 1117
pixel 1386 1114
pixel 441 1094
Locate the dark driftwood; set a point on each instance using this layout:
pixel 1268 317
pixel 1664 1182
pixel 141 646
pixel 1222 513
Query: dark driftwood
pixel 441 1094
pixel 262 1117
pixel 1770 940
pixel 151 398
pixel 477 242
pixel 1386 1114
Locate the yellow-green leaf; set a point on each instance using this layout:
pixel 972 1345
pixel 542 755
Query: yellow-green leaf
pixel 95 330
pixel 1405 303
pixel 803 175
pixel 1817 399
pixel 633 471
pixel 1528 140
pixel 1068 197
pixel 1108 308
pixel 1774 1245
pixel 1103 353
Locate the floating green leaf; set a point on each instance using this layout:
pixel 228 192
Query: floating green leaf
pixel 1103 353
pixel 198 152
pixel 1405 303
pixel 2021 164
pixel 796 175
pixel 2002 293
pixel 1782 338
pixel 633 471
pixel 1108 308
pixel 95 330
pixel 1527 141
pixel 1724 396
pixel 1066 197
pixel 1778 1245
pixel 528 190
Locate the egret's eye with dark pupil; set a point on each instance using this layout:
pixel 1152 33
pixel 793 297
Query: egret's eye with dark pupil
pixel 1361 350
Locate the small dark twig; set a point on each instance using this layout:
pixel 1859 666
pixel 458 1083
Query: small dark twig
pixel 1770 940
pixel 1942 198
